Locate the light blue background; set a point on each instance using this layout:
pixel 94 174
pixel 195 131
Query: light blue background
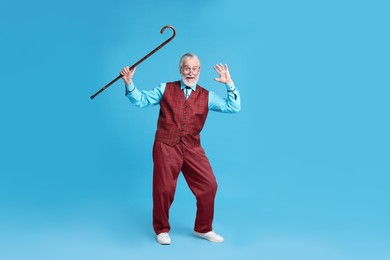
pixel 303 169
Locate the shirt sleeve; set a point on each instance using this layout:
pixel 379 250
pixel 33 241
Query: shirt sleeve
pixel 145 98
pixel 230 104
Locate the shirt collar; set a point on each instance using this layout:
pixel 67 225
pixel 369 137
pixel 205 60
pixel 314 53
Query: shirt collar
pixel 183 86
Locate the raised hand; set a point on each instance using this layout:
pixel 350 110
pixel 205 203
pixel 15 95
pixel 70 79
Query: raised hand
pixel 127 75
pixel 224 75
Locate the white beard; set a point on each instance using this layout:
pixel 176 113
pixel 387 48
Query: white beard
pixel 187 83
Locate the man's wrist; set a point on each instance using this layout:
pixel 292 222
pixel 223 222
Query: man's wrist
pixel 128 83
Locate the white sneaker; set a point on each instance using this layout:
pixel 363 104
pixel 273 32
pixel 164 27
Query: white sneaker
pixel 163 239
pixel 210 236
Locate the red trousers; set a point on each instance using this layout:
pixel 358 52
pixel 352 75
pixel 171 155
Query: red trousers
pixel 196 169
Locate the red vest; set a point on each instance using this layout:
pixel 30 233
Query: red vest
pixel 182 120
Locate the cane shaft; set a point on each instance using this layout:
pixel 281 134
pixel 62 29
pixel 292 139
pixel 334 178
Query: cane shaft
pixel 141 60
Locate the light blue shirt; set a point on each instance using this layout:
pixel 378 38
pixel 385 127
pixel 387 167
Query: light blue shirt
pixel 230 104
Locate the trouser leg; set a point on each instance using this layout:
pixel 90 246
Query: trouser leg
pixel 167 164
pixel 201 180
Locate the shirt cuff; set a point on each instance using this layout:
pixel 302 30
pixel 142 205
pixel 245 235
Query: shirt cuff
pixel 129 88
pixel 230 87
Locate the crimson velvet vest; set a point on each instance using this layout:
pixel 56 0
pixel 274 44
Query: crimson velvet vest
pixel 180 119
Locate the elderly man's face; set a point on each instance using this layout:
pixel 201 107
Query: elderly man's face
pixel 190 71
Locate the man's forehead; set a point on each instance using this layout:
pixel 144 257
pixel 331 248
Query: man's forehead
pixel 192 61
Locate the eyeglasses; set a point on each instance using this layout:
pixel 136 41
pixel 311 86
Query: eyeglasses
pixel 188 69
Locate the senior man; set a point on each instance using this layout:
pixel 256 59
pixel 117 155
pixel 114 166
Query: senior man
pixel 184 106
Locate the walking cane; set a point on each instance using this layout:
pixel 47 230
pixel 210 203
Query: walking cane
pixel 141 60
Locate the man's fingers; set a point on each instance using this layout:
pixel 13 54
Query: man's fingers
pixel 219 66
pixel 126 71
pixel 123 70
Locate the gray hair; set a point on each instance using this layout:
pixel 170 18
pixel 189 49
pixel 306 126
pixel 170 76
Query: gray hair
pixel 186 56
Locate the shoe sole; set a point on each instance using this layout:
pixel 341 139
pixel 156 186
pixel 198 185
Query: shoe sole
pixel 205 237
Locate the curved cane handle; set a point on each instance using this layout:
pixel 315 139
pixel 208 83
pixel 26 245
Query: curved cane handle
pixel 173 29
